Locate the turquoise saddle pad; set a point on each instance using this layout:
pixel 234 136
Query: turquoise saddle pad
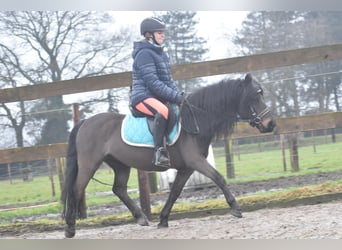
pixel 135 132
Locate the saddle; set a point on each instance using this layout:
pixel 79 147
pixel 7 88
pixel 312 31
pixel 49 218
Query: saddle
pixel 136 129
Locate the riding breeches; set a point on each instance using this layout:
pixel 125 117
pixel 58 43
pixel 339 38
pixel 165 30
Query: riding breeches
pixel 152 106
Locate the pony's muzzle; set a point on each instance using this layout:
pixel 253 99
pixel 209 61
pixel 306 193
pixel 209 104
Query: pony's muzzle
pixel 267 125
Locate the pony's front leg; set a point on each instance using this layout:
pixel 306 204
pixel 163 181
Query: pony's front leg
pixel 206 169
pixel 177 187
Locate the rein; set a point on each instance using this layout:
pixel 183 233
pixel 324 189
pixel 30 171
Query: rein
pixel 194 119
pixel 190 106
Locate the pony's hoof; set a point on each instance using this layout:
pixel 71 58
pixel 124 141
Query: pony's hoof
pixel 69 232
pixel 163 225
pixel 142 221
pixel 236 213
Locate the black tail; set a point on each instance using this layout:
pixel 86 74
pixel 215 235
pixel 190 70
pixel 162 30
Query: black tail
pixel 68 197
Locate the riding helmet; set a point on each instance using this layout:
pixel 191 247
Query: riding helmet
pixel 152 24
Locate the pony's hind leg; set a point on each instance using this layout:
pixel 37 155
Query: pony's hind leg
pixel 120 189
pixel 79 212
pixel 77 199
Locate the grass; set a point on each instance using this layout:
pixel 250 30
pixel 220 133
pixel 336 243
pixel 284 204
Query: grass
pixel 251 166
pixel 50 208
pixel 19 192
pixel 39 190
pixel 269 164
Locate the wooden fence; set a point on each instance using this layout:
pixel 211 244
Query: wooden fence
pixel 284 125
pixel 180 72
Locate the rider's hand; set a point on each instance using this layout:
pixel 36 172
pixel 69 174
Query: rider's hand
pixel 180 98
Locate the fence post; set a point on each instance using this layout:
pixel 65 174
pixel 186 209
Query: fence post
pixel 333 135
pixel 144 193
pixel 60 166
pixel 152 178
pixel 313 141
pixel 293 140
pixel 229 158
pixel 76 112
pixel 9 173
pixel 48 161
pixel 282 145
pixel 237 147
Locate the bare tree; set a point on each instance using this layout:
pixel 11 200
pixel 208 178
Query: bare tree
pixel 47 46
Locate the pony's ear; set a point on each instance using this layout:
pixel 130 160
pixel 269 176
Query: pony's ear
pixel 248 78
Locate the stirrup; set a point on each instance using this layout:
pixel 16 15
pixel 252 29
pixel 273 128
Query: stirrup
pixel 161 158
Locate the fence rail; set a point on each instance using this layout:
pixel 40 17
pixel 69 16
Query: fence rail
pixel 180 72
pixel 284 125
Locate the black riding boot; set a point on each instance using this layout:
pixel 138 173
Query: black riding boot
pixel 161 156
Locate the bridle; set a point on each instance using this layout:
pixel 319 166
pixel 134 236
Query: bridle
pixel 256 118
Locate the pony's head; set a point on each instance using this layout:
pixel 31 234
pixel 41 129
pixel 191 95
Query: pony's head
pixel 253 108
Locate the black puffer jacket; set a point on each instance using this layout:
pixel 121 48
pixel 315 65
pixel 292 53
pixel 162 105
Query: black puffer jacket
pixel 151 74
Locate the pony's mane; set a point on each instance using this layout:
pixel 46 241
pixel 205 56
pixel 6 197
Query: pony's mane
pixel 214 107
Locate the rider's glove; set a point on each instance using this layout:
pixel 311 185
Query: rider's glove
pixel 180 98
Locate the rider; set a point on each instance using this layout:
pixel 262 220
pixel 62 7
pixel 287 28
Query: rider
pixel 153 86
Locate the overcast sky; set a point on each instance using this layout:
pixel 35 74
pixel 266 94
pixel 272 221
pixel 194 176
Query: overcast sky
pixel 212 26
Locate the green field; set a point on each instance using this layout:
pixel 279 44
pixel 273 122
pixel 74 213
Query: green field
pixel 269 163
pixel 251 166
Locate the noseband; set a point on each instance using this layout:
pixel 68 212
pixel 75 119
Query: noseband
pixel 256 119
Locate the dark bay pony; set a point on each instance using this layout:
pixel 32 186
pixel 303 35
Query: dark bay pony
pixel 215 109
